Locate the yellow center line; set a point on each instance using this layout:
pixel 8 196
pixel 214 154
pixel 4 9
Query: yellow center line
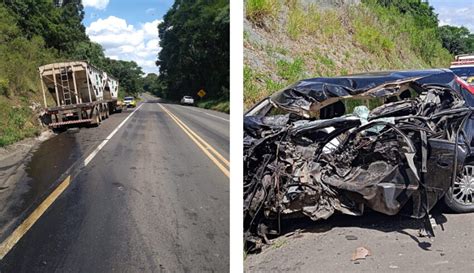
pixel 21 230
pixel 223 159
pixel 195 138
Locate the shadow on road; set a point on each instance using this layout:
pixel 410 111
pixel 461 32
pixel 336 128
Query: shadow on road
pixel 371 220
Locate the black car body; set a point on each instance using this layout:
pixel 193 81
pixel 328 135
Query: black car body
pixel 306 155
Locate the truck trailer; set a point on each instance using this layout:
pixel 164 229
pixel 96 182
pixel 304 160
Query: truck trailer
pixel 83 94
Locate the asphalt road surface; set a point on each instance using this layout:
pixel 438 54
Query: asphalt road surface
pixel 150 200
pixel 393 241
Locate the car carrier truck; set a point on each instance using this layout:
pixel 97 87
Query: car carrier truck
pixel 83 94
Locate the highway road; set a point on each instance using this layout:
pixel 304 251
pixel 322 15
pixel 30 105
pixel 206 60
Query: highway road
pixel 150 196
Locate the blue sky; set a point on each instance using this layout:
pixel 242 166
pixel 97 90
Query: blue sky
pixel 455 12
pixel 127 29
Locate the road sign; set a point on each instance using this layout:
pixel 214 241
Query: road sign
pixel 201 93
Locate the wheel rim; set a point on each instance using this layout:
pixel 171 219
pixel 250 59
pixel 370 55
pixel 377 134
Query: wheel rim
pixel 463 188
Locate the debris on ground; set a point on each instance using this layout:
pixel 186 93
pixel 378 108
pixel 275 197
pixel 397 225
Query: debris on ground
pixel 351 237
pixel 315 148
pixel 360 253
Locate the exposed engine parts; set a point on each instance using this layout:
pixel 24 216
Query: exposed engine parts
pixel 392 142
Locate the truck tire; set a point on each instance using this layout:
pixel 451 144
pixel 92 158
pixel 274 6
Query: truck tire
pixel 102 113
pixel 96 118
pixel 460 196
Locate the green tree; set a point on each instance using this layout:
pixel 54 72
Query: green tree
pixel 421 11
pixel 59 25
pixel 457 40
pixel 152 84
pixel 195 49
pixel 91 52
pixel 128 73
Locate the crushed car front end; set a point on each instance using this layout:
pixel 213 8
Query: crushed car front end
pixel 393 142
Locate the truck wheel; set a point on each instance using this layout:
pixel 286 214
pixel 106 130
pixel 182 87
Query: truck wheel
pixel 96 118
pixel 460 196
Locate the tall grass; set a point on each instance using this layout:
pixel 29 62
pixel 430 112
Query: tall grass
pixel 290 71
pixel 339 41
pixel 403 30
pixel 309 20
pixel 16 122
pixel 217 105
pixel 257 10
pixel 19 79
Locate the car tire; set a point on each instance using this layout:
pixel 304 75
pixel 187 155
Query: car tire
pixel 460 196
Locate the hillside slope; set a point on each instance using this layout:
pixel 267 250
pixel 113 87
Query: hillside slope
pixel 293 39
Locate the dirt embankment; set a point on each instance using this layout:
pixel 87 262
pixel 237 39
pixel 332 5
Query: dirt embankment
pixel 285 41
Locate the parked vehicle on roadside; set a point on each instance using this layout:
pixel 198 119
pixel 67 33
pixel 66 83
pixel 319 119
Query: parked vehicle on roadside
pixel 463 67
pixel 394 142
pixel 130 101
pixel 187 100
pixel 83 94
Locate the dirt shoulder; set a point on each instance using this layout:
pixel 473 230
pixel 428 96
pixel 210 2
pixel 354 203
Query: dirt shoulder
pixel 13 155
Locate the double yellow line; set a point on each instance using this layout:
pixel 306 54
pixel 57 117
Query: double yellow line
pixel 221 162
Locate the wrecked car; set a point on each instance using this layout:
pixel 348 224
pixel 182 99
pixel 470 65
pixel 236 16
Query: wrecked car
pixel 394 142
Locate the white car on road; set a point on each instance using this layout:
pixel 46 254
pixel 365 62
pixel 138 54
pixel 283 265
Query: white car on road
pixel 187 100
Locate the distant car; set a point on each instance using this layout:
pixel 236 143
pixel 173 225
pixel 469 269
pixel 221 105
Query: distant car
pixel 187 100
pixel 130 101
pixel 463 67
pixel 470 80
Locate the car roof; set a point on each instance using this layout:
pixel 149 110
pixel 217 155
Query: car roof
pixel 324 87
pixel 302 94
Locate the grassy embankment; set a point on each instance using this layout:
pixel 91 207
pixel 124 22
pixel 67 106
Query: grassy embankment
pixel 285 41
pixel 218 105
pixel 20 89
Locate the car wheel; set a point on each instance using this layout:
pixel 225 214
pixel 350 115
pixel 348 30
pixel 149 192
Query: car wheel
pixel 460 195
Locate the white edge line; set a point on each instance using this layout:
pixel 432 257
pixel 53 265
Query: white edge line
pixel 195 110
pixel 102 144
pixel 215 116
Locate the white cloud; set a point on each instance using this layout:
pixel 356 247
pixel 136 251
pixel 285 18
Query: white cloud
pixel 128 42
pixel 456 13
pixel 98 4
pixel 150 11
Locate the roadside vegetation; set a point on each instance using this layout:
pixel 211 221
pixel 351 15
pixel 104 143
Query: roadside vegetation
pixel 16 122
pixel 258 10
pixel 301 39
pixel 195 52
pixel 221 105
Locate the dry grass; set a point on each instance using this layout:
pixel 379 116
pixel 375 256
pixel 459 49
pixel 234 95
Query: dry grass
pixel 330 42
